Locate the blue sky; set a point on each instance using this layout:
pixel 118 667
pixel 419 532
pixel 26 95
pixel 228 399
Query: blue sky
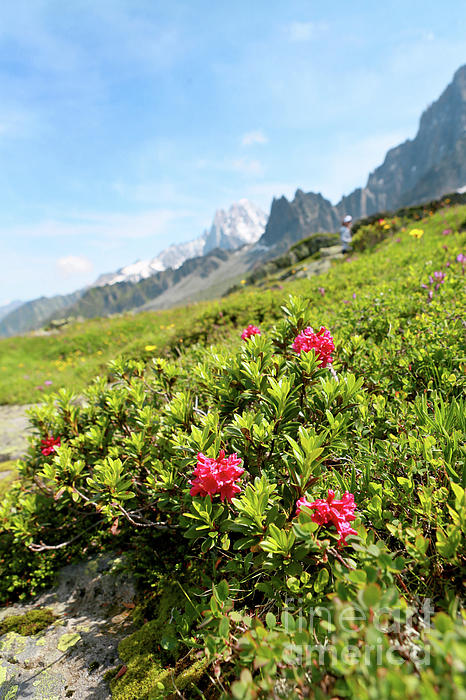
pixel 124 124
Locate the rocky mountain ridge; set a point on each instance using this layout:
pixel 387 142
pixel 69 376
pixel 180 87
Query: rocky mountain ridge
pixel 33 314
pixel 9 307
pixel 421 169
pixel 242 224
pixel 219 269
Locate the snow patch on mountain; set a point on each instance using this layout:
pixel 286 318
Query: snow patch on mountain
pixel 243 224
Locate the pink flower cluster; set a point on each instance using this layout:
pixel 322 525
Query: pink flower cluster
pixel 321 342
pixel 217 475
pixel 339 513
pixel 49 444
pixel 436 280
pixel 249 332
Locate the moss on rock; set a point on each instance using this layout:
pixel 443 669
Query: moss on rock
pixel 146 679
pixel 149 655
pixel 28 624
pixel 191 676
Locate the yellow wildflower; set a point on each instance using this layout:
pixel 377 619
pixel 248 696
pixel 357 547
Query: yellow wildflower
pixel 149 348
pixel 416 233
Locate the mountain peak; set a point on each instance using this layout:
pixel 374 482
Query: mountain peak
pixel 242 224
pixel 460 74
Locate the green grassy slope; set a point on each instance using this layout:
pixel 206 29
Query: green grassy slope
pixel 70 357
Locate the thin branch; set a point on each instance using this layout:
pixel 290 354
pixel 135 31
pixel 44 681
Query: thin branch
pixel 146 523
pixel 43 547
pixel 340 558
pixel 85 498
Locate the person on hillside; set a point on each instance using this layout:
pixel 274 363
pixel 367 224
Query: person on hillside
pixel 345 233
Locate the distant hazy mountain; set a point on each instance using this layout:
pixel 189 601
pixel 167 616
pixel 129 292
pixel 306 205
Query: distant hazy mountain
pixel 242 224
pixel 8 308
pixel 33 314
pixel 425 168
pixel 203 277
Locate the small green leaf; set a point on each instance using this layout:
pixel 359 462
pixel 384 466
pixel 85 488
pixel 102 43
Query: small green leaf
pixel 370 595
pixel 224 627
pixel 321 581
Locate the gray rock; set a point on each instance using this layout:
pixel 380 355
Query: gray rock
pixel 14 429
pixel 92 602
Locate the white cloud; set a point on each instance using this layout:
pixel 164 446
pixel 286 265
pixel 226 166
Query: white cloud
pixel 248 166
pixel 74 266
pixel 250 138
pixel 305 31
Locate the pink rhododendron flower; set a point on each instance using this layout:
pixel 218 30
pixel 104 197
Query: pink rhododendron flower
pixel 250 331
pixel 321 342
pixel 217 475
pixel 49 445
pixel 338 513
